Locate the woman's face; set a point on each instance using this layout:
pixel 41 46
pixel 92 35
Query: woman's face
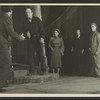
pixel 56 33
pixel 78 33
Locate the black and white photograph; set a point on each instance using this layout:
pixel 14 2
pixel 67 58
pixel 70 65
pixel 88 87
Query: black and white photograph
pixel 50 49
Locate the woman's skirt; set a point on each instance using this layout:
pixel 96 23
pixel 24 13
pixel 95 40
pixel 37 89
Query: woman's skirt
pixel 56 58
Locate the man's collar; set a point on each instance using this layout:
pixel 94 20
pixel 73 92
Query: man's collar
pixel 95 31
pixel 30 20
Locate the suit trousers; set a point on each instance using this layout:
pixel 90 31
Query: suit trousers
pixel 96 64
pixel 35 55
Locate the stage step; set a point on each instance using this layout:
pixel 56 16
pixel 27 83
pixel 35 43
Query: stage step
pixel 20 77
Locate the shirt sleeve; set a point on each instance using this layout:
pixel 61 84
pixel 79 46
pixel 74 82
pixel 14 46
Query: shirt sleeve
pixel 98 42
pixel 10 30
pixel 23 29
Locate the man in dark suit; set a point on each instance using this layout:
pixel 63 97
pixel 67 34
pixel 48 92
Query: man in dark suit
pixel 95 49
pixel 34 32
pixel 6 32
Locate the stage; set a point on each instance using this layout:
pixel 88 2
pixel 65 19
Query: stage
pixel 64 85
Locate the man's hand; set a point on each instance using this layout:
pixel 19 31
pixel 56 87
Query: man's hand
pixel 41 40
pixel 62 53
pixel 89 49
pixel 28 35
pixel 23 38
pixel 82 51
pixel 72 49
pixel 97 53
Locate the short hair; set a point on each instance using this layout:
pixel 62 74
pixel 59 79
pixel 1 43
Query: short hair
pixel 93 24
pixel 29 8
pixel 78 30
pixel 6 8
pixel 57 30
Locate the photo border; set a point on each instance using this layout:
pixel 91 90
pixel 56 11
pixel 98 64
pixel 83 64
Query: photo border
pixel 50 95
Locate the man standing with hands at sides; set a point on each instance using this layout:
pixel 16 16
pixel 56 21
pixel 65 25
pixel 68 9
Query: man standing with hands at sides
pixel 95 49
pixel 34 32
pixel 6 31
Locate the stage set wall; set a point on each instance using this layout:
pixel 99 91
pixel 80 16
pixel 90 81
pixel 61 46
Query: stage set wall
pixel 73 18
pixel 68 21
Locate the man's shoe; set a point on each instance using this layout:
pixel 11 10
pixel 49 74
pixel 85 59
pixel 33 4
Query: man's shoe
pixel 28 74
pixel 41 73
pixel 97 76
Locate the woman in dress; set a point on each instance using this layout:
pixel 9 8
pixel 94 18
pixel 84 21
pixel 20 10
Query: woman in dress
pixel 57 48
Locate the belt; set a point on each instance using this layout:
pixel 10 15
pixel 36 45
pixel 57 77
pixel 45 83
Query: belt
pixel 35 35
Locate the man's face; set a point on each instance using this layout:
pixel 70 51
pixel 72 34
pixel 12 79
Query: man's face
pixel 93 27
pixel 10 13
pixel 29 13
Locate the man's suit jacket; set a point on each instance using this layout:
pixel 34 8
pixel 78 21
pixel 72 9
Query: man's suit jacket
pixel 95 43
pixel 35 27
pixel 6 31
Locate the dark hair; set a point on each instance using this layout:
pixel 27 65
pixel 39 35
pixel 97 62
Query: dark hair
pixel 57 30
pixel 94 24
pixel 29 8
pixel 78 29
pixel 6 8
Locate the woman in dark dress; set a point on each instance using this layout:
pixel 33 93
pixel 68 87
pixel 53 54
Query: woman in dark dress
pixel 6 31
pixel 78 50
pixel 57 48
